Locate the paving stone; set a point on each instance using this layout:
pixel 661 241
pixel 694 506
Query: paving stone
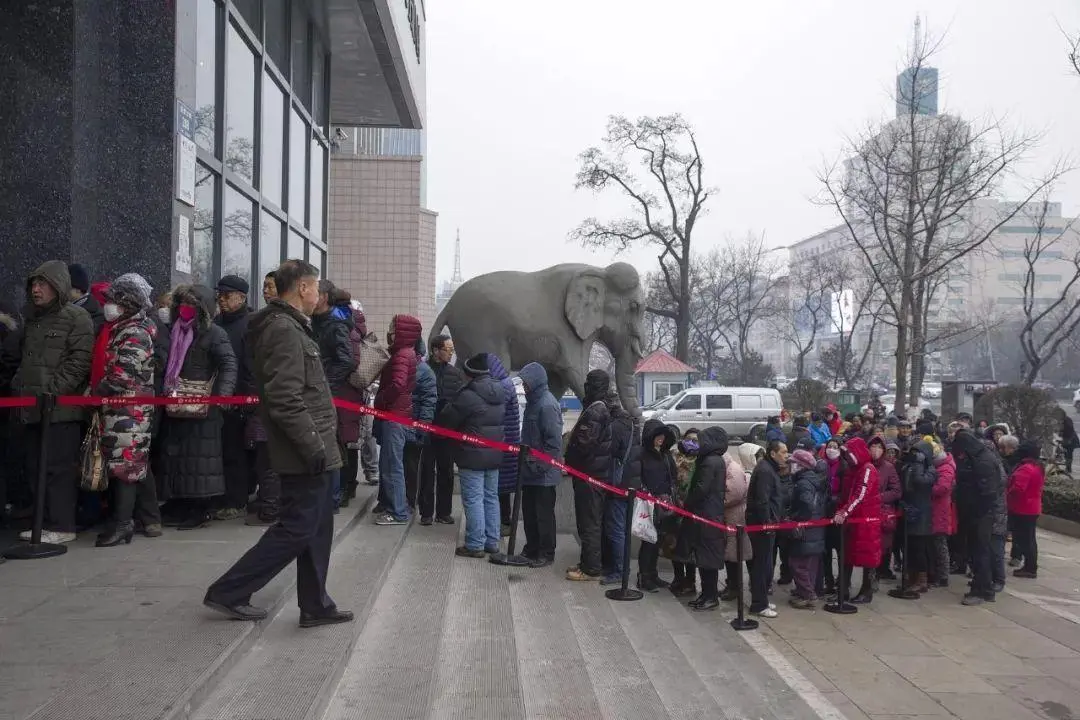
pixel 937 674
pixel 889 641
pixel 1067 670
pixel 1025 643
pixel 843 704
pixel 18 599
pixel 982 706
pixel 838 658
pixel 106 603
pixel 885 692
pixel 1045 696
pixel 24 687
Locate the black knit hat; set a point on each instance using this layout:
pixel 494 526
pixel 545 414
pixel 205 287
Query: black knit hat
pixel 477 365
pixel 80 278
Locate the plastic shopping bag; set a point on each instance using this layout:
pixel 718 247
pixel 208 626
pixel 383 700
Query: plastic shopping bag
pixel 643 527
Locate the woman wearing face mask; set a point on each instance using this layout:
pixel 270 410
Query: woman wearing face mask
pixel 891 491
pixel 685 582
pixel 127 368
pixel 199 351
pixel 826 584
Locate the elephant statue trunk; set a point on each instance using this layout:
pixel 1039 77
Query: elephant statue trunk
pixel 625 382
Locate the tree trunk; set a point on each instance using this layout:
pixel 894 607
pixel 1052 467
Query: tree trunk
pixel 682 326
pixel 902 352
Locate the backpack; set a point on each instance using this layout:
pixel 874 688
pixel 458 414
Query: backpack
pixel 620 453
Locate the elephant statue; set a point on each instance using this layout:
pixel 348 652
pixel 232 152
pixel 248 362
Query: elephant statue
pixel 553 317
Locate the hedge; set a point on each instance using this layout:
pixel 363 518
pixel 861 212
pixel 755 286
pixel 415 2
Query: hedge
pixel 1061 497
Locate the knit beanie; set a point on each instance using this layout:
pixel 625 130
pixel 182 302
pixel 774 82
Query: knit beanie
pixel 80 278
pixel 477 365
pixel 804 459
pixel 132 291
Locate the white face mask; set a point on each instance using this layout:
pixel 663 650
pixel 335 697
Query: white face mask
pixel 164 315
pixel 832 453
pixel 112 312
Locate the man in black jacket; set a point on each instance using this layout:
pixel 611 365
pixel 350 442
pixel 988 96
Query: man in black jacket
pixel 978 489
pixel 478 410
pixel 437 470
pixel 301 423
pixel 81 297
pixel 237 459
pixel 598 446
pixel 764 505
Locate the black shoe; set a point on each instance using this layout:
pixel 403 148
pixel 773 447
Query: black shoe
pixel 334 617
pixel 195 521
pixel 707 605
pixel 729 595
pixel 684 590
pixel 998 587
pixel 466 552
pixel 542 562
pixel 886 574
pixel 492 550
pixel 645 583
pixel 121 533
pixel 344 503
pixel 444 520
pixel 425 521
pixel 784 580
pixel 237 612
pixel 697 601
pixel 1026 574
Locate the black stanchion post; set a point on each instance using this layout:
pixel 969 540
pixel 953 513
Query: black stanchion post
pixel 626 593
pixel 510 558
pixel 903 592
pixel 741 622
pixel 35 548
pixel 841 606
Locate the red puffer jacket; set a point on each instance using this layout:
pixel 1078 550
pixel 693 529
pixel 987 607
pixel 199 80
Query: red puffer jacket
pixel 1026 488
pixel 941 507
pixel 398 377
pixel 860 499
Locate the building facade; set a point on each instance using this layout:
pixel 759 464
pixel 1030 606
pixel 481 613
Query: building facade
pixel 188 140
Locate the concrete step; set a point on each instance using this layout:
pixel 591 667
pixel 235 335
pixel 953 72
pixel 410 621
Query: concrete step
pixel 164 668
pixel 290 673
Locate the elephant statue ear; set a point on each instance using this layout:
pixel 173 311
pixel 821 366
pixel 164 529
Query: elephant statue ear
pixel 585 303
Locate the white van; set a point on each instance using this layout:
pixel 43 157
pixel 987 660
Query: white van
pixel 742 411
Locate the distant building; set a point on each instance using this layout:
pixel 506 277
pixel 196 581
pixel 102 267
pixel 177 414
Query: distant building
pixel 660 374
pixel 456 280
pixel 917 92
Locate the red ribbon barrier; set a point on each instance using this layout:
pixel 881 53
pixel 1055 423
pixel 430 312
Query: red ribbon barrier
pixel 253 400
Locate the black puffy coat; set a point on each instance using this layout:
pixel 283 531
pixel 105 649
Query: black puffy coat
pixel 809 496
pixel 477 410
pixel 919 475
pixel 979 484
pixel 332 330
pixel 449 380
pixel 235 325
pixel 764 500
pixel 191 448
pixel 651 469
pixel 699 543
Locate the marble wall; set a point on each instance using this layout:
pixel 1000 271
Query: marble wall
pixel 86 137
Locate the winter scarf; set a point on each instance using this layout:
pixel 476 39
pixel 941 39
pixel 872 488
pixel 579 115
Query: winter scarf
pixel 98 359
pixel 183 335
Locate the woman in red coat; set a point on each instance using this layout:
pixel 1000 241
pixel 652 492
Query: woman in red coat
pixel 860 514
pixel 1025 505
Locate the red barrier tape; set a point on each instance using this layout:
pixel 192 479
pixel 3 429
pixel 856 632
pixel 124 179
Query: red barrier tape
pixel 252 400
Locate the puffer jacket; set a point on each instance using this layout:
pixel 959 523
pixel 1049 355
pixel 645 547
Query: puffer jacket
pixel 764 503
pixel 919 480
pixel 978 477
pixel 477 410
pixel 542 428
pixel 698 543
pixel 129 370
pixel 332 329
pixel 602 434
pixel 650 469
pixel 352 425
pixel 57 345
pixel 809 499
pixel 860 498
pixel 738 486
pixel 398 377
pixel 892 491
pixel 295 402
pixel 508 471
pixel 425 398
pixel 10 337
pixel 1026 488
pixel 941 498
pixel 449 380
pixel 235 325
pixel 192 448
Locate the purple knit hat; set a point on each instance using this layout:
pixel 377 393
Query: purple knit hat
pixel 804 459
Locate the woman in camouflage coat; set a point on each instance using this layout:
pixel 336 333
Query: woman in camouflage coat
pixel 125 429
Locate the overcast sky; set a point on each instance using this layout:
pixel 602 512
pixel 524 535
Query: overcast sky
pixel 516 90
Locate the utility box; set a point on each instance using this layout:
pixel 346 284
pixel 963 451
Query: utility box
pixel 959 396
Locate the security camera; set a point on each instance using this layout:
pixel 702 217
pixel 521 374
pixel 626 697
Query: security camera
pixel 340 134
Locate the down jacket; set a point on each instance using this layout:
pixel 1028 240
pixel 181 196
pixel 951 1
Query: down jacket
pixel 809 499
pixel 477 410
pixel 425 396
pixel 891 493
pixel 508 471
pixel 941 498
pixel 57 345
pixel 860 500
pixel 295 404
pixel 129 370
pixel 191 451
pixel 738 486
pixel 603 433
pixel 1026 488
pixel 398 377
pixel 978 477
pixel 698 543
pixel 648 468
pixel 919 480
pixel 542 428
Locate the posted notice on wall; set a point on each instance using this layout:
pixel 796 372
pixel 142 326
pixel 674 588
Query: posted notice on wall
pixel 185 154
pixel 183 248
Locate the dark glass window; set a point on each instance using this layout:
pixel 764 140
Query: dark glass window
pixel 269 245
pixel 250 10
pixel 317 258
pixel 206 19
pixel 236 232
pixel 202 251
pixel 298 144
pixel 272 141
pixel 689 402
pixel 718 402
pixel 295 249
pixel 240 108
pixel 276 40
pixel 318 163
pixel 301 55
pixel 318 80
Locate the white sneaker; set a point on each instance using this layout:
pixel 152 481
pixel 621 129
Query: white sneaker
pixel 772 606
pixel 767 613
pixel 25 534
pixel 57 538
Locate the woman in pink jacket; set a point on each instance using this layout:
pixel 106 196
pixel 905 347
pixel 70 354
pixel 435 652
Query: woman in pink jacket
pixel 942 512
pixel 1024 496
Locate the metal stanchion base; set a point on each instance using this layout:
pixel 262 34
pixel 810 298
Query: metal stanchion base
pixel 30 551
pixel 624 595
pixel 512 560
pixel 837 608
pixel 744 624
pixel 903 594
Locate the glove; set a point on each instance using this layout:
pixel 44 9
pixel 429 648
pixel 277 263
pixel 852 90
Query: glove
pixel 317 463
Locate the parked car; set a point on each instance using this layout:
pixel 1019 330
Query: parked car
pixel 742 411
pixel 932 389
pixel 889 401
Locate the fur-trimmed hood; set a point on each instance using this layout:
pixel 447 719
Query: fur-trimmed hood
pixel 199 295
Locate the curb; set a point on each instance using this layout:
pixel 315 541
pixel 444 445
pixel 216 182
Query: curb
pixel 1059 525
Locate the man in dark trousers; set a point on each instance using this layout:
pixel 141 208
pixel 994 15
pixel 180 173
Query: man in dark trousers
pixel 437 467
pixel 301 425
pixel 764 505
pixel 978 488
pixel 239 462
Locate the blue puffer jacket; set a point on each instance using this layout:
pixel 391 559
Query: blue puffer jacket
pixel 425 397
pixel 543 427
pixel 508 471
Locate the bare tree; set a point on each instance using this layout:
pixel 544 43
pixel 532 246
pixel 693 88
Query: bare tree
pixel 659 328
pixel 1074 51
pixel 743 297
pixel 811 284
pixel 1048 321
pixel 667 199
pixel 907 197
pixel 857 316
